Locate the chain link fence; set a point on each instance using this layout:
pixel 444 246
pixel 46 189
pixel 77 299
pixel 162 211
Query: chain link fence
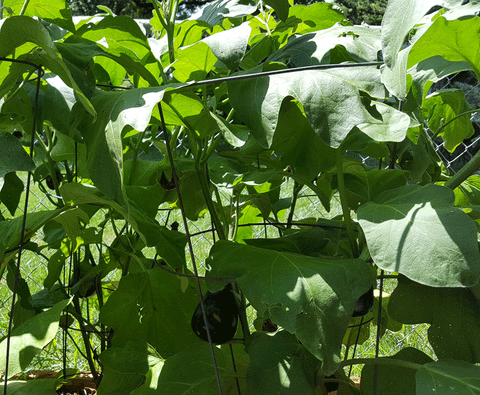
pixel 34 266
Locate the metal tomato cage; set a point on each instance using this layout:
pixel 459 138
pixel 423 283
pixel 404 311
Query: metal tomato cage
pixel 196 276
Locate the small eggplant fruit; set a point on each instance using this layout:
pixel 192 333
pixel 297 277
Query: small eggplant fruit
pixel 331 386
pixel 49 180
pixel 221 310
pixel 364 304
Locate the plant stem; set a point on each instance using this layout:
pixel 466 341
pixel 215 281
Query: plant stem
pixel 342 190
pixel 466 171
pixel 205 185
pixel 382 361
pixel 296 190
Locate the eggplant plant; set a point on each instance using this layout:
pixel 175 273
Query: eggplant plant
pixel 228 118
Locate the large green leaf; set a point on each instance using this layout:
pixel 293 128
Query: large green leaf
pixel 18 30
pixel 325 97
pixel 29 338
pixel 298 144
pixel 363 186
pixel 417 231
pixel 310 297
pixel 194 62
pixel 103 138
pixel 309 18
pixel 125 368
pixel 279 365
pixel 55 11
pixel 215 12
pixel 399 18
pixel 13 156
pixel 191 371
pixel 230 45
pixel 362 45
pixel 451 377
pixel 31 387
pixel 443 106
pixel 453 313
pixel 455 40
pixel 394 380
pixel 78 52
pixel 151 306
pixel 281 8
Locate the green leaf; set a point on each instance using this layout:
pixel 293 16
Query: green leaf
pixel 55 266
pixel 361 44
pixel 194 62
pixel 13 156
pixel 420 159
pixel 79 53
pixel 191 371
pixel 453 40
pixel 11 191
pixel 468 192
pixel 311 297
pixel 417 231
pixel 103 138
pixel 325 98
pixel 215 12
pixel 363 186
pixel 441 107
pixel 298 144
pixel 18 30
pixel 279 365
pixel 29 338
pixel 281 8
pixel 399 18
pixel 151 306
pixel 31 387
pixel 306 242
pixel 453 315
pixel 448 377
pixel 125 368
pixel 170 245
pixel 394 380
pixel 117 35
pixel 308 18
pixel 229 46
pixel 54 11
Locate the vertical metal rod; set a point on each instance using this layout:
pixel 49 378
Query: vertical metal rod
pixel 356 343
pixel 377 343
pixel 22 233
pixel 190 246
pixel 235 369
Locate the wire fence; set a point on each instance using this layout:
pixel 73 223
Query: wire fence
pixel 34 267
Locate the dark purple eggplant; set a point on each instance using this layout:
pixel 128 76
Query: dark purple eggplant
pixel 222 316
pixel 364 304
pixel 331 386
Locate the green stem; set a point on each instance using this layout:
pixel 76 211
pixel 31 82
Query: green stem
pixel 440 129
pixel 219 203
pixel 159 14
pixel 296 190
pixel 342 190
pixel 24 7
pixel 204 185
pixel 466 171
pixel 382 361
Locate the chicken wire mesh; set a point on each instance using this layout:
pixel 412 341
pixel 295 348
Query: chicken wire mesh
pixel 34 266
